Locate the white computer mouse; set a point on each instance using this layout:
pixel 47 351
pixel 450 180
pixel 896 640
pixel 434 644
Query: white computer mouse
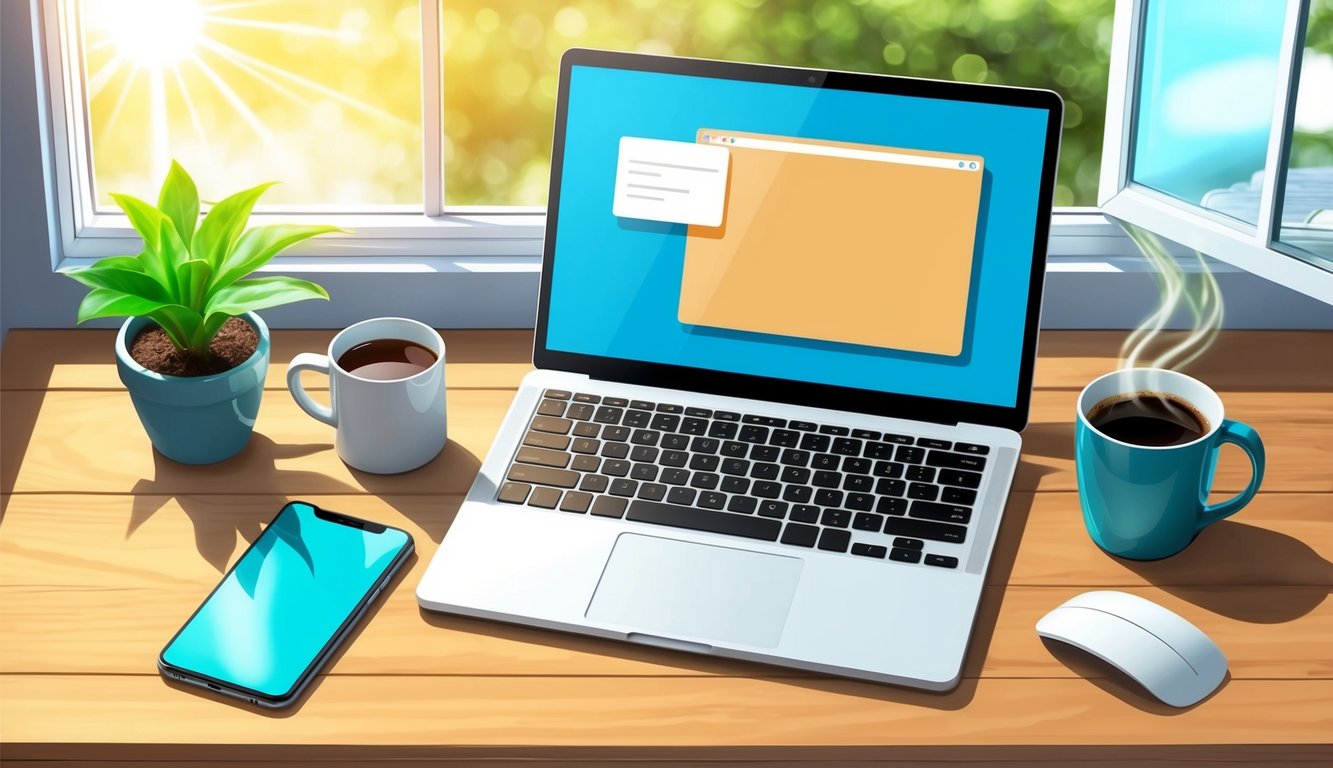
pixel 1169 656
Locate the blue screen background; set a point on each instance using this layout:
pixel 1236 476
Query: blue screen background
pixel 283 601
pixel 615 284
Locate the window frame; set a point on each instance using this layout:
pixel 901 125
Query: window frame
pixel 1256 248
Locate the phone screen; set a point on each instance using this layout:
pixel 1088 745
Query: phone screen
pixel 285 599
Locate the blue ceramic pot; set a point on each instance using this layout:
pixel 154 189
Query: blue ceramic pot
pixel 195 419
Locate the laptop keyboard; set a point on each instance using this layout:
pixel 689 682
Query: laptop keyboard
pixel 795 482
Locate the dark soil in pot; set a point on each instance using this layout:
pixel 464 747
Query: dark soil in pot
pixel 233 345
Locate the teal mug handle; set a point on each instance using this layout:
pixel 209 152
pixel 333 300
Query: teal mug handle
pixel 1243 435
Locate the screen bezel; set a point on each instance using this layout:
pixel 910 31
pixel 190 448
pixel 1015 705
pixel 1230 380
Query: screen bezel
pixel 783 390
pixel 231 688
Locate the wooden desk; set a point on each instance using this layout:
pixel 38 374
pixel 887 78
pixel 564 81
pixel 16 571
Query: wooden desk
pixel 105 548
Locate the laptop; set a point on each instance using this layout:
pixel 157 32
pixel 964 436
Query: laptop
pixel 783 354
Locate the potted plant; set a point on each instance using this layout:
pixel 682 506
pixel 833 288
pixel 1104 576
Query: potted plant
pixel 193 353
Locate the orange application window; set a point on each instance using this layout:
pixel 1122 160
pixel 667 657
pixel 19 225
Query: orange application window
pixel 853 243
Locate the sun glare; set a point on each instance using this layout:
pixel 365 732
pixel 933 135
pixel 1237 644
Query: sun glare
pixel 156 34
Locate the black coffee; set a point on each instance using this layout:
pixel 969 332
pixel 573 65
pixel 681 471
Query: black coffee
pixel 386 359
pixel 1148 418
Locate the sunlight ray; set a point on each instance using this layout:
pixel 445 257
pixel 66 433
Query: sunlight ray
pixel 241 107
pixel 225 53
pixel 124 94
pixel 193 113
pixel 97 46
pixel 304 30
pixel 103 76
pixel 159 133
pixel 238 6
pixel 358 105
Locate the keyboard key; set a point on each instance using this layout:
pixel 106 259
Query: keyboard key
pixel 831 540
pixel 528 473
pixel 860 501
pixel 580 411
pixel 958 496
pixel 959 478
pixel 609 506
pixel 615 467
pixel 712 500
pixel 735 449
pixel 898 439
pixel 905 555
pixel 704 462
pixel 644 453
pixel 637 419
pixel 751 433
pixel 865 521
pixel 735 467
pixel 805 513
pixel 616 434
pixel 829 429
pixel 785 438
pixel 618 402
pixel 825 461
pixel 925 529
pixel 542 457
pixel 942 561
pixel 923 491
pixel 642 405
pixel 979 450
pixel 888 487
pixel 585 445
pixel 888 469
pixel 931 442
pixel 586 398
pixel 666 422
pixel 799 494
pixel 797 475
pixel 681 495
pixel 745 505
pixel 865 434
pixel 544 440
pixel 878 451
pixel 765 471
pixel 551 408
pixel 908 455
pixel 645 437
pixel 824 479
pixel 726 416
pixel 906 543
pixel 723 430
pixel 858 483
pixel 921 474
pixel 803 426
pixel 646 472
pixel 675 442
pixel 776 509
pixel 546 498
pixel 889 506
pixel 857 466
pixel 652 491
pixel 795 458
pixel 768 421
pixel 813 442
pixel 576 501
pixel 514 493
pixel 615 450
pixel 691 426
pixel 586 429
pixel 556 394
pixel 765 453
pixel 624 487
pixel 869 550
pixel 828 498
pixel 945 513
pixel 699 413
pixel 704 445
pixel 705 480
pixel 800 535
pixel 734 485
pixel 675 476
pixel 674 458
pixel 836 518
pixel 766 489
pixel 595 483
pixel 551 424
pixel 669 408
pixel 704 520
pixel 847 446
pixel 956 461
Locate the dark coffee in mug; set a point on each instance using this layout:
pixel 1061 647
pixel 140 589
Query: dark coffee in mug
pixel 1153 419
pixel 386 359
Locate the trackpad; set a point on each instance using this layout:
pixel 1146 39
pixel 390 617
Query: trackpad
pixel 684 590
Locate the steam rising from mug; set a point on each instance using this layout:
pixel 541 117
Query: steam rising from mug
pixel 1200 296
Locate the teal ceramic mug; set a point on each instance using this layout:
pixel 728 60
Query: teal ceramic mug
pixel 1148 502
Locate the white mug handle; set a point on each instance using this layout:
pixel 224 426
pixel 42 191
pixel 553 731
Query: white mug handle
pixel 309 361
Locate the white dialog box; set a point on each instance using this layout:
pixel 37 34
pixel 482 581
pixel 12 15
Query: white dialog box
pixel 673 181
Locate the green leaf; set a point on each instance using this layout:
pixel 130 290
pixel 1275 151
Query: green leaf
pixel 173 254
pixel 128 281
pixel 257 246
pixel 108 302
pixel 179 200
pixel 224 224
pixel 147 221
pixel 131 263
pixel 193 276
pixel 183 325
pixel 262 293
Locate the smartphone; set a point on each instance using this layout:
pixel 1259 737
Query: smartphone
pixel 286 605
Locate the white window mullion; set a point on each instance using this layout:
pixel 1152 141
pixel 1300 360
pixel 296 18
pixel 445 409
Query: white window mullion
pixel 1269 226
pixel 432 112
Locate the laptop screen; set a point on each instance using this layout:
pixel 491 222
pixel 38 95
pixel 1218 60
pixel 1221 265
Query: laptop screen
pixel 874 241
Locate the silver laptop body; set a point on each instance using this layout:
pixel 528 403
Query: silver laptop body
pixel 860 597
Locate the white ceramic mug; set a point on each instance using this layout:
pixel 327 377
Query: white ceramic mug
pixel 383 426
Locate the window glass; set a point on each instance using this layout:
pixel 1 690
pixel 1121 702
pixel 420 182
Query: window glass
pixel 321 95
pixel 1206 101
pixel 501 65
pixel 1307 210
